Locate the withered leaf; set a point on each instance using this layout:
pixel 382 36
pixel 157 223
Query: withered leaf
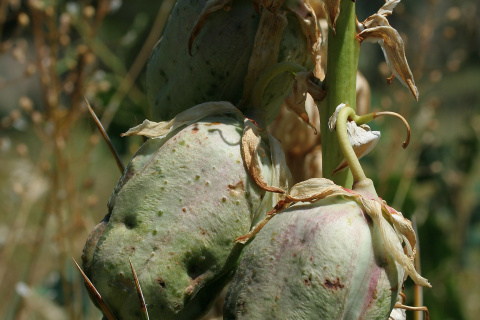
pixel 390 239
pixel 394 51
pixel 251 150
pixel 332 7
pixel 153 129
pixel 310 27
pixel 296 100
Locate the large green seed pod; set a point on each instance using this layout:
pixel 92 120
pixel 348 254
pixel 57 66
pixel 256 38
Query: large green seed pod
pixel 335 254
pixel 324 260
pixel 216 67
pixel 175 213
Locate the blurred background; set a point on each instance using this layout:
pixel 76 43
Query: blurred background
pixel 56 173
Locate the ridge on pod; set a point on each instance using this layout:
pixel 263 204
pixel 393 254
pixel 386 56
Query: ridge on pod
pixel 219 60
pixel 331 255
pixel 175 212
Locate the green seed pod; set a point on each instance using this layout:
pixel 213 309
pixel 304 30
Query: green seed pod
pixel 334 254
pixel 216 67
pixel 175 213
pixel 323 260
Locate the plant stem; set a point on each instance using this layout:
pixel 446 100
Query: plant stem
pixel 342 55
pixel 346 147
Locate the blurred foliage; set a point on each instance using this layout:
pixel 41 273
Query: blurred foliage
pixel 56 174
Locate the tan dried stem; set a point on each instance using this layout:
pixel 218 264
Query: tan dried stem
pixel 96 295
pixel 424 309
pixel 143 305
pixel 105 136
pixel 399 116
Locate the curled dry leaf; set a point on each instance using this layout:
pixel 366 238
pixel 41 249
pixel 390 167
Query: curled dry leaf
pixel 153 129
pixel 332 7
pixel 308 21
pixel 377 29
pixel 266 47
pixel 317 189
pixel 394 52
pixel 250 148
pixel 297 138
pixel 388 7
pixel 296 100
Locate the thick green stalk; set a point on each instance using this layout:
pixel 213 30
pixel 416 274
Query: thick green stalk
pixel 342 62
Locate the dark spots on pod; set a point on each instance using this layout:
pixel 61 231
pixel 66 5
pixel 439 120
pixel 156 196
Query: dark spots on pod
pixel 307 281
pixel 184 209
pixel 195 129
pixel 131 249
pixel 130 221
pixel 199 263
pixel 334 285
pixel 161 282
pixel 394 289
pixel 236 189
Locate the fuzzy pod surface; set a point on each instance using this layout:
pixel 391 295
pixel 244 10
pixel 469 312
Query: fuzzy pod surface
pixel 323 260
pixel 219 60
pixel 175 213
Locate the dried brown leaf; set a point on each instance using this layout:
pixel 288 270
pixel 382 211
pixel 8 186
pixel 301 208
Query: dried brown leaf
pixel 310 27
pixel 251 148
pixel 390 239
pixel 265 49
pixel 153 129
pixel 394 52
pixel 295 101
pixel 332 7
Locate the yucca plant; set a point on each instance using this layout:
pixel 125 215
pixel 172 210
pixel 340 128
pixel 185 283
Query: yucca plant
pixel 197 192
